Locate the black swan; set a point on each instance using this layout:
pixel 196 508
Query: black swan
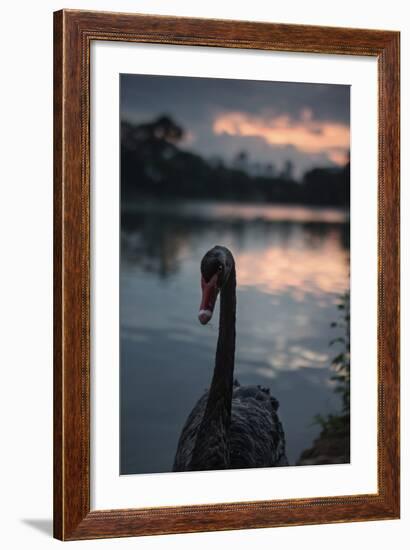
pixel 231 426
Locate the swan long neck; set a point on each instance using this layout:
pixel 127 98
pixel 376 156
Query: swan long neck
pixel 212 448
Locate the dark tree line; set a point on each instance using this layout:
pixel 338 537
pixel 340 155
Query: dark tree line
pixel 153 165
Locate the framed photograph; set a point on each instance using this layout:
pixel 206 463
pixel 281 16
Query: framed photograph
pixel 226 275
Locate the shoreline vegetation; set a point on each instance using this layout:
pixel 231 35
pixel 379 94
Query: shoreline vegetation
pixel 154 165
pixel 333 444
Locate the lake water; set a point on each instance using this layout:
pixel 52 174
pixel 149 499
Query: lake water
pixel 292 266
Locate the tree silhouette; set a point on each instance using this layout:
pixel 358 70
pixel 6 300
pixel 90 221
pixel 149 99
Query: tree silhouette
pixel 153 164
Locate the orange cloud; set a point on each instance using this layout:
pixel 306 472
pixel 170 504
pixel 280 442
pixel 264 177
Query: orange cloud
pixel 306 134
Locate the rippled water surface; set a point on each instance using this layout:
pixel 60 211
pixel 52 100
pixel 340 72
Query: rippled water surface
pixel 292 266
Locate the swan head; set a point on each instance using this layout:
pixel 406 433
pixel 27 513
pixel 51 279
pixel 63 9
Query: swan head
pixel 216 267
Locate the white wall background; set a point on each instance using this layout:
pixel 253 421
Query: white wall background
pixel 26 270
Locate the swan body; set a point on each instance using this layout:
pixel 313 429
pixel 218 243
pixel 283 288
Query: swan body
pixel 231 426
pixel 256 438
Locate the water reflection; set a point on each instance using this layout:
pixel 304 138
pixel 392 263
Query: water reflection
pixel 291 265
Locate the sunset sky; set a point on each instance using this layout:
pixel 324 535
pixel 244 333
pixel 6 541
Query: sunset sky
pixel 308 124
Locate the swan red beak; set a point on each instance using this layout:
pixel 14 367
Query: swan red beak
pixel 209 295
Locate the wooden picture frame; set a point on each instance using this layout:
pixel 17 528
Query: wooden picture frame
pixel 74 32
